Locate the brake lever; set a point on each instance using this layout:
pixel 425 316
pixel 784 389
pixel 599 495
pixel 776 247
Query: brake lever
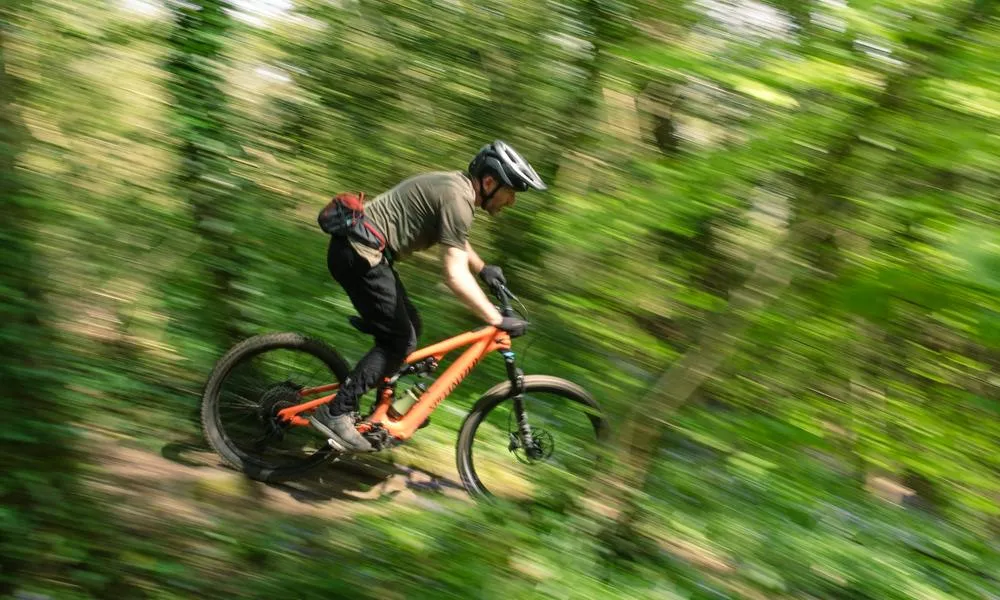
pixel 502 290
pixel 503 295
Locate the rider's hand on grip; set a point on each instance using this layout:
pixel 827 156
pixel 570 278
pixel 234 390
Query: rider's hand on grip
pixel 514 326
pixel 492 276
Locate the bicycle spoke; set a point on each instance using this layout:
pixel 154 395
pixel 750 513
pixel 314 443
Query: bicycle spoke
pixel 558 454
pixel 264 440
pixel 251 395
pixel 310 380
pixel 244 404
pixel 306 380
pixel 241 419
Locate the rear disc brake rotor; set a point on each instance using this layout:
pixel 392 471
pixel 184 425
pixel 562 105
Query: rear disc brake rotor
pixel 275 399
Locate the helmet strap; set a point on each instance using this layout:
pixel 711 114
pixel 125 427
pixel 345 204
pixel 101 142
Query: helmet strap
pixel 482 187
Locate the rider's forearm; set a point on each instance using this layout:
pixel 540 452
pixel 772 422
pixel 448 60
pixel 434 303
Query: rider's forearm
pixel 476 264
pixel 466 288
pixel 461 281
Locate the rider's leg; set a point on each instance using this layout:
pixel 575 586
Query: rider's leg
pixel 411 311
pixel 382 301
pixel 378 295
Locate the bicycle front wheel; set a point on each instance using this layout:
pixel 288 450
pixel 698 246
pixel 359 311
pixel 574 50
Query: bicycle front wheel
pixel 567 431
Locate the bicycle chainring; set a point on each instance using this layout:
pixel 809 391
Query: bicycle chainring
pixel 379 437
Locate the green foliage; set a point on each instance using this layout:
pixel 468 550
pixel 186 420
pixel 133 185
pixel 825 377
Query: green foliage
pixel 48 528
pixel 160 173
pixel 205 178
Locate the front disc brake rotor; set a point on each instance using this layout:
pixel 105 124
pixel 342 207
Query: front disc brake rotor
pixel 541 448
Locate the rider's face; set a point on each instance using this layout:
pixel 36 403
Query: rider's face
pixel 504 197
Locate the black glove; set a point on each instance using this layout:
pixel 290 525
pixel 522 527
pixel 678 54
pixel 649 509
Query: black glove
pixel 492 276
pixel 514 326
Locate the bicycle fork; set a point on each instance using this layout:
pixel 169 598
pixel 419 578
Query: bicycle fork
pixel 523 437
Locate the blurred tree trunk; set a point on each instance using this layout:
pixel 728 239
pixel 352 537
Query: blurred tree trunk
pixel 821 188
pixel 206 144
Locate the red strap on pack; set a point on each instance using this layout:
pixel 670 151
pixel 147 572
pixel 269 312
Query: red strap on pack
pixel 378 236
pixel 354 202
pixel 345 215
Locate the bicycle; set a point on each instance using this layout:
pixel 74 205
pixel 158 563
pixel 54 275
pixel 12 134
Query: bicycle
pixel 253 412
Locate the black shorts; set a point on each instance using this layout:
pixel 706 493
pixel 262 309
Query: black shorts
pixel 378 295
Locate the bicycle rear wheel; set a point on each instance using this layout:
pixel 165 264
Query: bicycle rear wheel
pixel 249 385
pixel 568 431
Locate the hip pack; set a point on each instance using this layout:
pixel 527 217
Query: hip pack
pixel 345 216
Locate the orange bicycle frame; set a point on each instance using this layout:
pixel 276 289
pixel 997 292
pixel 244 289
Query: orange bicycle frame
pixel 481 342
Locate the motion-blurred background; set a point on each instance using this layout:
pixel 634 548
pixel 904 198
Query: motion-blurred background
pixel 770 247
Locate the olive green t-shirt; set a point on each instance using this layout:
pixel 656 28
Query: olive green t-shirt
pixel 423 211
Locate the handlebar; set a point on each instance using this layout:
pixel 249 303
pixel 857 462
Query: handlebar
pixel 504 297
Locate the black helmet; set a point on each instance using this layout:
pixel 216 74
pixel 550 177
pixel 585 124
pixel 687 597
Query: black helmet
pixel 503 161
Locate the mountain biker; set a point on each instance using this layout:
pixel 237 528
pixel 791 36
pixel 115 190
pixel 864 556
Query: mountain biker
pixel 420 212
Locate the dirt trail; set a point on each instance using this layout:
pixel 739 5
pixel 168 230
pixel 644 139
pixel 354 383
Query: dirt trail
pixel 187 482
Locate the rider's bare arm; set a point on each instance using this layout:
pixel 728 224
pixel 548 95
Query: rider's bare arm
pixel 458 277
pixel 476 264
